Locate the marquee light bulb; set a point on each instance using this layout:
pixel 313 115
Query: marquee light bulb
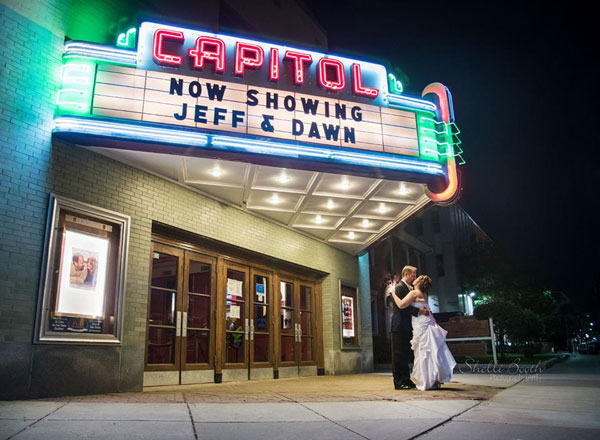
pixel 318 219
pixel 330 204
pixel 382 208
pixel 351 235
pixel 365 223
pixel 275 199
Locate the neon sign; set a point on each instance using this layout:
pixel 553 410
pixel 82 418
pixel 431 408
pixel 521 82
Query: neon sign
pixel 220 92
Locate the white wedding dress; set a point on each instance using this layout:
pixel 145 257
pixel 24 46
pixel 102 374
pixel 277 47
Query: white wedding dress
pixel 433 361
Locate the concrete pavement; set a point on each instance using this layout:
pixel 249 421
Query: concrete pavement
pixel 560 403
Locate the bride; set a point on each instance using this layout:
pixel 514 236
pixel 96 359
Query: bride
pixel 433 363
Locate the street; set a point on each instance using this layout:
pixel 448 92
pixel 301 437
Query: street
pixel 560 403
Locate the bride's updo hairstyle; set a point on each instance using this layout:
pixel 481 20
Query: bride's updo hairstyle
pixel 425 283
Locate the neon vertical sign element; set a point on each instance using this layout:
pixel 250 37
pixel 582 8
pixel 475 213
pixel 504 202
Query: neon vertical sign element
pixel 452 190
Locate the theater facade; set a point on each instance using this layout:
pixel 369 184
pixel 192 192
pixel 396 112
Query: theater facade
pixel 187 206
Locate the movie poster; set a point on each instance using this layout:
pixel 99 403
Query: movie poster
pixel 347 317
pixel 82 278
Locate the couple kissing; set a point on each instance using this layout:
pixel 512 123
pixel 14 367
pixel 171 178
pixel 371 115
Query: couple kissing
pixel 416 335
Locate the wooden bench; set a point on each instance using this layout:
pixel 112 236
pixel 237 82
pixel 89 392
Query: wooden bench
pixel 467 328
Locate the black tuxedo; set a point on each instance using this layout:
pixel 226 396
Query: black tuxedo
pixel 402 354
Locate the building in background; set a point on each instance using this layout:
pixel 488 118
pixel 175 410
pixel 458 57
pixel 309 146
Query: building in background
pixel 434 240
pixel 160 227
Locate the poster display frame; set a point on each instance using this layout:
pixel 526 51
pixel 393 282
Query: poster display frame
pixel 53 324
pixel 355 345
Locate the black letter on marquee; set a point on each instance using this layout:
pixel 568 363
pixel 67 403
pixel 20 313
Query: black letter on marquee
pixel 215 90
pixel 272 100
pixel 237 116
pixel 289 103
pixel 176 87
pixel 314 131
pixel 219 115
pixel 183 114
pixel 309 105
pixel 266 123
pixel 340 111
pixel 195 89
pixel 200 115
pixel 356 114
pixel 331 132
pixel 349 136
pixel 297 127
pixel 252 99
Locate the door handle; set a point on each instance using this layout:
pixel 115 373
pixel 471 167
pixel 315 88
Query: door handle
pixel 252 329
pixel 246 329
pixel 299 332
pixel 184 324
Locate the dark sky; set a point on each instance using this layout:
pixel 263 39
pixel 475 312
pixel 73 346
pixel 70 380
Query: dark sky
pixel 524 78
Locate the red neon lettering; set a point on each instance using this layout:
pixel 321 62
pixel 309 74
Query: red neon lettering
pixel 357 86
pixel 298 58
pixel 274 65
pixel 157 47
pixel 210 49
pixel 248 55
pixel 340 80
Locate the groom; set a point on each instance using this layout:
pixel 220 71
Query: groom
pixel 402 354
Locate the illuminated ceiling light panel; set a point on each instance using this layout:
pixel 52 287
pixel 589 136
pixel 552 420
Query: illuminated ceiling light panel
pixel 216 171
pixel 403 190
pixel 283 178
pixel 330 204
pixel 319 220
pixel 351 235
pixel 275 199
pixel 365 223
pixel 345 184
pixel 382 208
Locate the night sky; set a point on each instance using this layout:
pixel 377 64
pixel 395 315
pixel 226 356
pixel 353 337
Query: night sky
pixel 524 79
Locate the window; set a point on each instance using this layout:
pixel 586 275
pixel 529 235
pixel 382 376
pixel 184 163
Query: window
pixel 349 315
pixel 84 274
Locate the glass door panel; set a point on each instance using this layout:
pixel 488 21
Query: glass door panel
pixel 198 313
pixel 287 322
pixel 260 322
pixel 236 321
pixel 306 334
pixel 164 302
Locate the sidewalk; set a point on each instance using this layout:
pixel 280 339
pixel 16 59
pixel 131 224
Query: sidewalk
pixel 342 407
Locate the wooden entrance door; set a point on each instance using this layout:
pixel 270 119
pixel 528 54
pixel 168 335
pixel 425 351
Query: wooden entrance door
pixel 296 327
pixel 180 325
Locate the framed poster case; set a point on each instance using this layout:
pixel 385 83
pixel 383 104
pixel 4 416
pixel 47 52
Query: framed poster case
pixel 83 275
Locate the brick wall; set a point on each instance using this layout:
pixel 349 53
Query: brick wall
pixel 32 166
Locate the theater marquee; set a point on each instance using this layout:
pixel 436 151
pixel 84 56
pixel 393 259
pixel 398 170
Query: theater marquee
pixel 239 99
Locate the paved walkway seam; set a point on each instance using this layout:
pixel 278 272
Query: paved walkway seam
pixel 38 420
